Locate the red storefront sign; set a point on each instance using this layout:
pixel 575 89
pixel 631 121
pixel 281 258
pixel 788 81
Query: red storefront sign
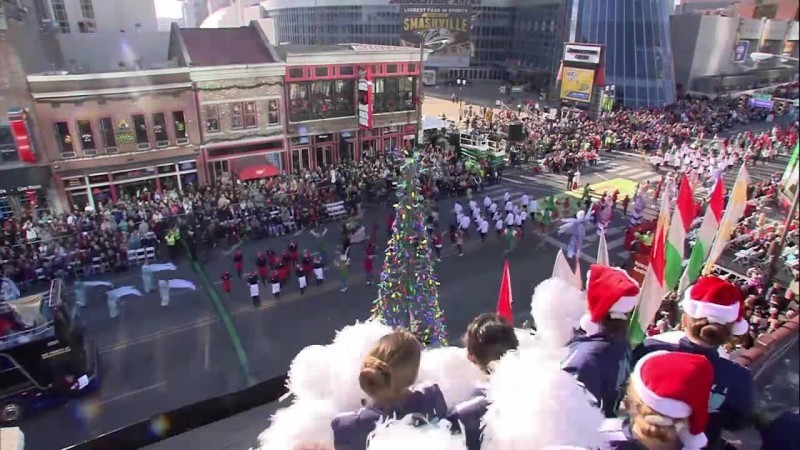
pixel 641 261
pixel 365 97
pixel 19 129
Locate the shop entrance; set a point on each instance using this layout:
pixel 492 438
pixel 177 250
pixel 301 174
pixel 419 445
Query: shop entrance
pixel 323 155
pixel 300 159
pixel 389 144
pixel 220 171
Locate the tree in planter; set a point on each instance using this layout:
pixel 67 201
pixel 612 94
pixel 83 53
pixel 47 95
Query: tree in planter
pixel 408 293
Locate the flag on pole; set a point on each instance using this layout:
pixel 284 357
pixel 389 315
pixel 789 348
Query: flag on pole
pixel 653 287
pixel 602 252
pixel 578 275
pixel 682 218
pixel 734 212
pixel 505 299
pixel 705 236
pixel 562 270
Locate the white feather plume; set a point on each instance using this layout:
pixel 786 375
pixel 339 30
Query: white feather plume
pixel 350 346
pixel 303 425
pixel 449 367
pixel 556 307
pixel 534 404
pixel 310 373
pixel 401 434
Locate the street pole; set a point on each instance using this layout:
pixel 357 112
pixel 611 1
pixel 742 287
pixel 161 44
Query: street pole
pixel 773 258
pixel 420 131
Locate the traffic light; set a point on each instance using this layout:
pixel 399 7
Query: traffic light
pixel 743 101
pixel 780 107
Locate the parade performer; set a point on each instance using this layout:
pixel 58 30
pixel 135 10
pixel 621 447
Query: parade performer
pixel 639 204
pixel 302 282
pixel 148 278
pixel 293 251
pixel 511 239
pixel 598 358
pixel 261 264
pixel 226 282
pixel 308 263
pixel 604 218
pixel 533 209
pixel 712 313
pixel 546 220
pixel 319 272
pixel 82 286
pixel 577 232
pixel 436 240
pixel 286 259
pixel 113 297
pixel 369 262
pixel 252 280
pixel 238 263
pixel 667 403
pixel 163 292
pixel 344 272
pixel 272 258
pixel 276 281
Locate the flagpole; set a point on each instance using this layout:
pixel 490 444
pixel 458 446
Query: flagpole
pixel 773 258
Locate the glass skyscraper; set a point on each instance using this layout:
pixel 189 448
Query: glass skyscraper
pixel 638 52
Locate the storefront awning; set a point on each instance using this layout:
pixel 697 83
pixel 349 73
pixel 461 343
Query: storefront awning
pixel 258 172
pixel 24 177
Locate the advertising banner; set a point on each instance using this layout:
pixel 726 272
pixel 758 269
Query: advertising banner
pixel 740 51
pixel 19 130
pixel 582 53
pixel 429 78
pixel 576 84
pixel 365 97
pixel 425 23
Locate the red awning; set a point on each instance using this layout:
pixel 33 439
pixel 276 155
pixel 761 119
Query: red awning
pixel 257 172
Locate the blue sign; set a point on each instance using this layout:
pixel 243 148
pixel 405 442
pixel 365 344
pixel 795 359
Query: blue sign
pixel 740 51
pixel 761 103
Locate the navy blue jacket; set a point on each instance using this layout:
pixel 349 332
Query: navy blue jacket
pixel 601 364
pixel 350 430
pixel 731 405
pixel 783 433
pixel 467 415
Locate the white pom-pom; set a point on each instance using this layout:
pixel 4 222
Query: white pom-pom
pixel 526 337
pixel 400 434
pixel 740 327
pixel 449 367
pixel 303 425
pixel 556 307
pixel 591 328
pixel 310 373
pixel 348 350
pixel 535 404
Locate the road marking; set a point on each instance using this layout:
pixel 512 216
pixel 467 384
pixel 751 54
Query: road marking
pixel 132 393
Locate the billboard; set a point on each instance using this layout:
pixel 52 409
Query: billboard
pixel 424 23
pixel 582 53
pixel 740 51
pixel 576 84
pixel 365 97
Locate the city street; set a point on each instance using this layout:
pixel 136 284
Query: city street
pixel 155 359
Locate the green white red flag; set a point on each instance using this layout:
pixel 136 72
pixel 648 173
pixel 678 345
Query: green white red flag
pixel 682 218
pixel 705 236
pixel 733 213
pixel 653 286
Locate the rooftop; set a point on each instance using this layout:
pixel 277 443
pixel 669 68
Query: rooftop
pixel 287 49
pixel 226 46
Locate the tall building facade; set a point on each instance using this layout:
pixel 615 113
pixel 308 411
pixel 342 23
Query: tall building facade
pixel 638 51
pixel 97 16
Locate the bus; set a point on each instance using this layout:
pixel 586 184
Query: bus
pixel 45 358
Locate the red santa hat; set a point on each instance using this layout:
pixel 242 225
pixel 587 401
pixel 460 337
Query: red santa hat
pixel 718 301
pixel 609 291
pixel 676 385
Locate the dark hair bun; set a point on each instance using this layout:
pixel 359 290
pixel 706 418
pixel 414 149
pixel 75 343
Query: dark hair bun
pixel 375 377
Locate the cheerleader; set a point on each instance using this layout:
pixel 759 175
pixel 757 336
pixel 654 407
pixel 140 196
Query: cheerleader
pixel 308 263
pixel 319 273
pixel 261 264
pixel 252 280
pixel 301 278
pixel 238 263
pixel 293 251
pixel 226 283
pixel 272 258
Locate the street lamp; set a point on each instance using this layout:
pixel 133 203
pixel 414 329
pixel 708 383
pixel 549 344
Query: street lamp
pixel 433 44
pixel 761 56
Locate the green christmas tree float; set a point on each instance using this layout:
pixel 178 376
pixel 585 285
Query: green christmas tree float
pixel 408 293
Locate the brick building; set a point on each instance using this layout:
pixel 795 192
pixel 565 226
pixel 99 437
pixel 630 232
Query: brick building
pixel 111 134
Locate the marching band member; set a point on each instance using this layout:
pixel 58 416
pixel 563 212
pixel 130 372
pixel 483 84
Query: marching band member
pixel 276 281
pixel 252 280
pixel 261 264
pixel 238 263
pixel 301 278
pixel 319 273
pixel 226 282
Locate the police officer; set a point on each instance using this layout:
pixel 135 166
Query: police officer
pixel 600 357
pixel 712 314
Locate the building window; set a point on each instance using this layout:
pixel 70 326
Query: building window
pixel 60 16
pixel 8 148
pixel 179 122
pixel 321 100
pixel 107 131
pixel 346 70
pixel 212 118
pixel 296 73
pixel 160 127
pixel 140 129
pixel 237 116
pixel 250 115
pixel 87 9
pixel 394 94
pixel 63 137
pixel 273 112
pixel 86 134
pixel 320 71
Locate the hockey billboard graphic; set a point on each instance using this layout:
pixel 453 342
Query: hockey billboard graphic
pixel 439 22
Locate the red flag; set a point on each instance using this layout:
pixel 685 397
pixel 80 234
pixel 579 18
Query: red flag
pixel 505 299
